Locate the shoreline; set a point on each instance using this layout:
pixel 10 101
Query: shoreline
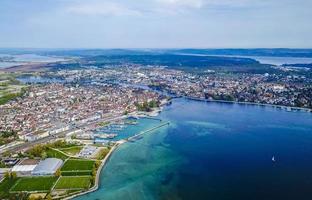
pixel 287 108
pixel 115 147
pixel 98 173
pixel 155 113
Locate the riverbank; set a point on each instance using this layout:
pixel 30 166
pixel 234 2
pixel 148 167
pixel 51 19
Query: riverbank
pixel 287 108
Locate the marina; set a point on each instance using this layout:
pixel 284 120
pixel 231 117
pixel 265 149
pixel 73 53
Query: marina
pixel 125 129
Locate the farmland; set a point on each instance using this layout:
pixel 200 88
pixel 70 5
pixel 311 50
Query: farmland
pixel 10 88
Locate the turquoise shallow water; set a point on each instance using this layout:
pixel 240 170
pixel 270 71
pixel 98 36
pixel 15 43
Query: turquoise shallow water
pixel 215 151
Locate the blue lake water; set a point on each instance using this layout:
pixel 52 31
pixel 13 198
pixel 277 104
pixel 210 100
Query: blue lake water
pixel 21 59
pixel 280 60
pixel 9 64
pixel 272 60
pixel 215 151
pixel 39 79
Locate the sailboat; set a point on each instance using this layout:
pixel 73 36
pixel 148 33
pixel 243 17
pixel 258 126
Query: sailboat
pixel 273 159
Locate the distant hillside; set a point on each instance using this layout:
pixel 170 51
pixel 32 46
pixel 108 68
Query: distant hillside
pixel 275 52
pixel 184 62
pixel 249 52
pixel 174 60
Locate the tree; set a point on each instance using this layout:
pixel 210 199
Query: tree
pixel 58 173
pixel 126 112
pixel 44 155
pixel 7 175
pixel 2 165
pixel 94 172
pixel 22 196
pixel 13 175
pixel 20 155
pixel 92 179
pixel 49 197
pixel 97 164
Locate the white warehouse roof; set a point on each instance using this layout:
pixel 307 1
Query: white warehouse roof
pixel 47 166
pixel 23 168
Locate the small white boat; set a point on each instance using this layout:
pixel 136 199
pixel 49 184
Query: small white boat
pixel 273 159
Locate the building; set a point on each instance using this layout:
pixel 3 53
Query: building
pixel 32 136
pixel 10 161
pixel 23 170
pixel 58 129
pixel 25 167
pixel 47 167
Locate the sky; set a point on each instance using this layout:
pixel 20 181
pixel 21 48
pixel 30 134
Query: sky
pixel 155 23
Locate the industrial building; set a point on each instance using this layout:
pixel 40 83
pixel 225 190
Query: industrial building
pixel 25 167
pixel 47 167
pixel 23 170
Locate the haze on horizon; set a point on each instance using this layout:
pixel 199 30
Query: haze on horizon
pixel 155 23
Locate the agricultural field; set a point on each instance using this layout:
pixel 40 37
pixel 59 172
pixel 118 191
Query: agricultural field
pixel 78 165
pixel 34 184
pixel 10 88
pixel 73 182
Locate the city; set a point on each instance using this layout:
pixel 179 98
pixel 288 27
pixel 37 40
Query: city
pixel 155 100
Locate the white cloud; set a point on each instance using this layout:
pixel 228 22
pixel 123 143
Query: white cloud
pixel 101 8
pixel 183 3
pixel 203 3
pixel 152 7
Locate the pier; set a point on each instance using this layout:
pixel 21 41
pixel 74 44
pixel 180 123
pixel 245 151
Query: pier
pixel 139 135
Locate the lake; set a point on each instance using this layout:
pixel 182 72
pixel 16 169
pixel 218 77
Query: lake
pixel 215 151
pixel 272 60
pixel 22 59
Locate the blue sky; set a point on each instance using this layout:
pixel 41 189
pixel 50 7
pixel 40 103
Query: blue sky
pixel 155 23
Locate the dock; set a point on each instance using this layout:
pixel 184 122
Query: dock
pixel 139 135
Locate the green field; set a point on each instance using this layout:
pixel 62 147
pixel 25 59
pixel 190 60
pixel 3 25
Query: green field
pixel 74 182
pixel 78 165
pixel 5 186
pixel 51 153
pixel 10 88
pixel 71 150
pixel 34 184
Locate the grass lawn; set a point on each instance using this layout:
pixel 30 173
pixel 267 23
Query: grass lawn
pixel 34 184
pixel 5 186
pixel 78 165
pixel 74 182
pixel 51 153
pixel 72 150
